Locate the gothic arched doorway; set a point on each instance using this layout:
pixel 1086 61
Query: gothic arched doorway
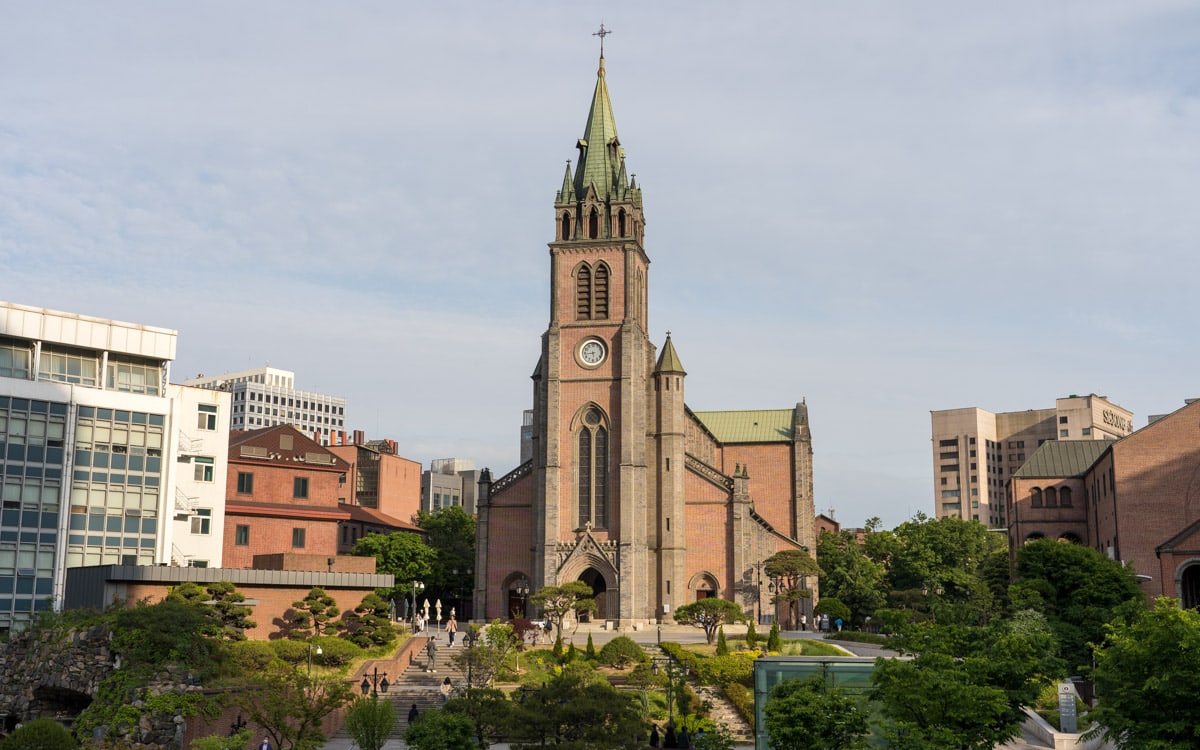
pixel 595 579
pixel 1189 586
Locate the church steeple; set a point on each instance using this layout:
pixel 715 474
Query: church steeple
pixel 601 158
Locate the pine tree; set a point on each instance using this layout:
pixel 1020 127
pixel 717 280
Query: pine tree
pixel 591 649
pixel 558 648
pixel 751 636
pixel 774 642
pixel 722 645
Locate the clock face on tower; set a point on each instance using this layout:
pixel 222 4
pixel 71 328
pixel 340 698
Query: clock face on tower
pixel 592 352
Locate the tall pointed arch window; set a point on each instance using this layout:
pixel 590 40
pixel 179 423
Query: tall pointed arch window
pixel 621 223
pixel 566 226
pixel 591 292
pixel 593 223
pixel 592 467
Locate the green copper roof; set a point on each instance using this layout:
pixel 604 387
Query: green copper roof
pixel 600 152
pixel 769 426
pixel 668 361
pixel 1062 458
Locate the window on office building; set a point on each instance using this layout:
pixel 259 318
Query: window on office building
pixel 1062 420
pixel 206 419
pixel 202 521
pixel 241 535
pixel 300 488
pixel 66 365
pixel 204 468
pixel 1063 433
pixel 298 538
pixel 16 358
pixel 245 483
pixel 133 376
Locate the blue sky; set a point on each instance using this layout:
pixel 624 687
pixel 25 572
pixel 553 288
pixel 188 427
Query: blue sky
pixel 882 208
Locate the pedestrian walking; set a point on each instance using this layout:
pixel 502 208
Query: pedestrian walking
pixel 431 652
pixel 266 744
pixel 451 629
pixel 654 736
pixel 413 713
pixel 804 622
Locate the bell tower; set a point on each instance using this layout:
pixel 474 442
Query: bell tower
pixel 590 393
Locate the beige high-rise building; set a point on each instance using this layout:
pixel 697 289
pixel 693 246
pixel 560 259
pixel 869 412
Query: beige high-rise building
pixel 975 451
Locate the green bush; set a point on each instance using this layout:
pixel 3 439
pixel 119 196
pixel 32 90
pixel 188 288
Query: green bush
pixel 621 651
pixel 834 608
pixel 722 644
pixel 252 657
pixel 292 652
pixel 774 641
pixel 335 651
pixel 721 670
pixel 40 734
pixel 857 636
pixel 591 648
pixel 751 636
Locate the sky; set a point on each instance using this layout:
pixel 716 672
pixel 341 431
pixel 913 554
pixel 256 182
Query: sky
pixel 880 208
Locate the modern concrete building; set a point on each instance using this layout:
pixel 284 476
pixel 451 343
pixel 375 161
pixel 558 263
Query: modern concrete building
pixel 102 462
pixel 267 397
pixel 448 483
pixel 975 451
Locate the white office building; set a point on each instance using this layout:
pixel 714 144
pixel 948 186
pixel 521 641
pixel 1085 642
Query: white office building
pixel 267 397
pixel 94 445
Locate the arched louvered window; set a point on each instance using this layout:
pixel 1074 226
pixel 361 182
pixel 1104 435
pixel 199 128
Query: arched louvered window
pixel 566 226
pixel 583 292
pixel 1051 497
pixel 1035 496
pixel 592 467
pixel 593 224
pixel 1064 497
pixel 592 292
pixel 621 223
pixel 600 293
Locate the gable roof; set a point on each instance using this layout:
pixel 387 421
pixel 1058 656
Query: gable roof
pixel 1062 458
pixel 765 426
pixel 363 514
pixel 282 444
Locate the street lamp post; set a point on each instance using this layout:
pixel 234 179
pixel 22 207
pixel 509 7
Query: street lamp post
pixel 522 589
pixel 374 683
pixel 417 587
pixel 758 592
pixel 310 655
pixel 675 677
pixel 469 638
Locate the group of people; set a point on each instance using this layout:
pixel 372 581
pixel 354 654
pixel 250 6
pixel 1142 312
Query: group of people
pixel 670 738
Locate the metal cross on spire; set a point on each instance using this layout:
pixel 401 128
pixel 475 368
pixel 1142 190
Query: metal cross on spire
pixel 603 32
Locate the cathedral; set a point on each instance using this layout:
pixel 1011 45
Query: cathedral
pixel 650 503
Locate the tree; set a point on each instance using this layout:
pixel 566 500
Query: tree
pixel 850 575
pixel 722 644
pixel 441 730
pixel 402 554
pixel 489 710
pixel 809 715
pixel 774 642
pixel 485 657
pixel 312 615
pixel 556 602
pixel 229 607
pixel 791 568
pixel 370 721
pixel 290 708
pixel 1079 590
pixel 751 635
pixel 369 624
pixel 965 686
pixel 709 614
pixel 451 536
pixel 1147 677
pixel 569 711
pixel 834 608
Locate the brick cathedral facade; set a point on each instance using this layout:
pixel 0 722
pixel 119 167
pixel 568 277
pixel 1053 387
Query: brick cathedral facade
pixel 650 503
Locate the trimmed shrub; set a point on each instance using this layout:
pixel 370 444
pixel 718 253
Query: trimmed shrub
pixel 621 651
pixel 252 657
pixel 774 641
pixel 40 734
pixel 292 652
pixel 335 651
pixel 721 670
pixel 722 644
pixel 591 648
pixel 742 699
pixel 751 636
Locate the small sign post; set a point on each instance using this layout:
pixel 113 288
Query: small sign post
pixel 1067 718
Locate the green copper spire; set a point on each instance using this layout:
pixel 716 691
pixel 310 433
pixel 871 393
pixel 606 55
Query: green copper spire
pixel 600 154
pixel 668 361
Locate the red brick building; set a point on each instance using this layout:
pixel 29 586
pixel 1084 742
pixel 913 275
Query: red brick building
pixel 282 496
pixel 1136 499
pixel 651 504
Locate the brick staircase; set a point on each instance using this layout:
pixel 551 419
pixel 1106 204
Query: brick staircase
pixel 414 684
